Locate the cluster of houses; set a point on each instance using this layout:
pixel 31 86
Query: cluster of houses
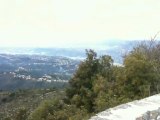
pixel 45 78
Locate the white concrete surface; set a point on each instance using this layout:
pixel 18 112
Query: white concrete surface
pixel 131 110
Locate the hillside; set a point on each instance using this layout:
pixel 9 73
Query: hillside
pixel 24 102
pixel 35 71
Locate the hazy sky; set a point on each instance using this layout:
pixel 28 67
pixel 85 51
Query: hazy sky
pixel 47 23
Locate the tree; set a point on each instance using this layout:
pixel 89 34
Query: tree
pixel 100 92
pixel 142 69
pixel 57 110
pixel 90 81
pixel 80 91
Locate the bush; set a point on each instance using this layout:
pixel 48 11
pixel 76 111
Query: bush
pixel 58 110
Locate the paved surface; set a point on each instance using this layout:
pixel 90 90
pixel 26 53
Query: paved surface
pixel 131 110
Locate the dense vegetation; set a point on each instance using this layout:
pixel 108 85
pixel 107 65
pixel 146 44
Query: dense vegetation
pixel 98 84
pixel 17 105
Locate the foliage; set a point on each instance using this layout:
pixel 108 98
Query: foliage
pixel 98 84
pixel 19 104
pixel 89 84
pixel 142 69
pixel 22 114
pixel 57 110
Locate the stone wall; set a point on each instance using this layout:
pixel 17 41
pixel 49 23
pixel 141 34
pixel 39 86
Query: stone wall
pixel 135 110
pixel 150 115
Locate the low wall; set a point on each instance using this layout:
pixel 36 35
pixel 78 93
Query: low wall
pixel 150 115
pixel 135 110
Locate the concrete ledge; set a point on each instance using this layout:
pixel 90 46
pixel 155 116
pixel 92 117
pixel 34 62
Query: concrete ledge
pixel 135 110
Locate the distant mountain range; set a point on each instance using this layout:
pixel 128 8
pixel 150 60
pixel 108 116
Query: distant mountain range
pixel 114 48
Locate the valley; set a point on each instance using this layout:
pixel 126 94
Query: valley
pixel 35 71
